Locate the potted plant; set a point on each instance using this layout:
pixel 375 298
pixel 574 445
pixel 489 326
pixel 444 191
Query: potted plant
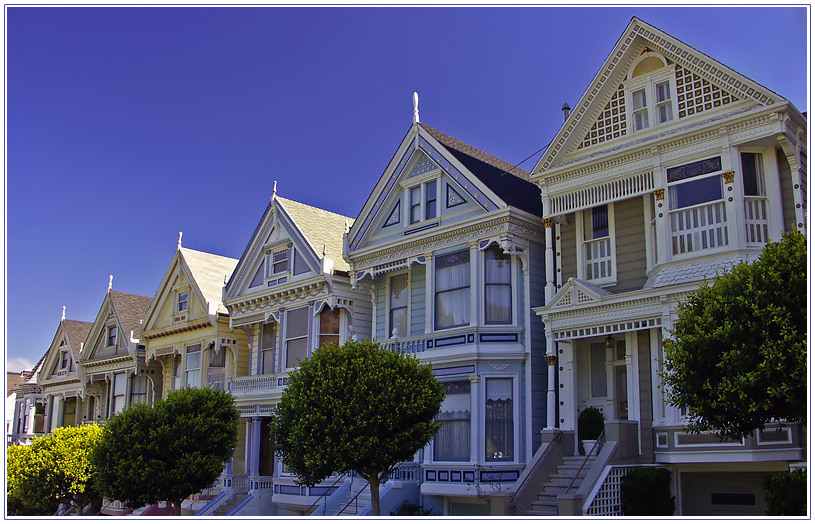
pixel 590 425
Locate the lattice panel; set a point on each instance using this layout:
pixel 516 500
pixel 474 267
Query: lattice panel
pixel 422 165
pixel 694 94
pixel 610 124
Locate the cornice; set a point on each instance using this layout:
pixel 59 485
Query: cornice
pixel 108 361
pixel 265 303
pixel 179 328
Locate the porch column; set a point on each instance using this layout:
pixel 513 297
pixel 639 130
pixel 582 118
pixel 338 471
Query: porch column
pixel 428 292
pixel 551 394
pixel 474 311
pixel 46 427
pixel 658 404
pixel 247 449
pixel 549 260
pixel 255 469
pixel 568 396
pixel 29 421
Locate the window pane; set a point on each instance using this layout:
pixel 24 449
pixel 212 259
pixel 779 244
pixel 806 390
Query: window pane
pixel 280 262
pixel 268 338
pixel 664 112
pixel 267 355
pixel 453 308
pixel 595 222
pixel 751 174
pixel 295 351
pixel 498 269
pixel 297 323
pixel 453 271
pixel 182 302
pixel 695 192
pixel 498 303
pixel 430 206
pixel 663 91
pixel 452 442
pixel 499 425
pixel 639 99
pixel 398 322
pixel 399 291
pixel 415 203
pixel 330 322
pixel 119 384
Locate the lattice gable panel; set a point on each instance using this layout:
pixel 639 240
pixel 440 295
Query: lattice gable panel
pixel 611 123
pixel 695 95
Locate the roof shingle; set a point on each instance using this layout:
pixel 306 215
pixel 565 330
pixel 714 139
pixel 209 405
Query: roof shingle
pixel 320 227
pixel 131 310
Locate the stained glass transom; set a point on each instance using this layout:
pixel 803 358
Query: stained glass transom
pixel 453 198
pixel 610 124
pixel 422 165
pixel 694 94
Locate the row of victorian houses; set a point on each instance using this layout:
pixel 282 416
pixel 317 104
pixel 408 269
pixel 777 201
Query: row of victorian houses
pixel 533 295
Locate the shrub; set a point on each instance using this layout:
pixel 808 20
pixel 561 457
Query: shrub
pixel 409 509
pixel 646 492
pixel 786 493
pixel 590 424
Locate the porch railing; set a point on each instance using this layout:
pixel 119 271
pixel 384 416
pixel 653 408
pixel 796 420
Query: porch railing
pixel 605 499
pixel 699 227
pixel 598 258
pixel 255 383
pixel 407 344
pixel 406 472
pixel 265 483
pixel 756 220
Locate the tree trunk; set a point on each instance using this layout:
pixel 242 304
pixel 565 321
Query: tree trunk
pixel 373 481
pixel 177 507
pixel 79 508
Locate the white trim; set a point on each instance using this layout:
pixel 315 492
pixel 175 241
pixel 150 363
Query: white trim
pixel 728 455
pixel 482 454
pixel 388 328
pixel 649 81
pixel 611 280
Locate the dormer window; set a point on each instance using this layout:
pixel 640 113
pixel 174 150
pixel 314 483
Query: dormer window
pixel 422 201
pixel 64 361
pixel 650 91
pixel 280 262
pixel 181 302
pixel 111 335
pixel 277 263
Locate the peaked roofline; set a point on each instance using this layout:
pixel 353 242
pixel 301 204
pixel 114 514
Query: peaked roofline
pixel 686 55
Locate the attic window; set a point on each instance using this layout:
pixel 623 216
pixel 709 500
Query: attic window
pixel 280 262
pixel 651 91
pixel 181 302
pixel 112 333
pixel 423 201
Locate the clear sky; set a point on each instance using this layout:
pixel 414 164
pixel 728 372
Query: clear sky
pixel 126 125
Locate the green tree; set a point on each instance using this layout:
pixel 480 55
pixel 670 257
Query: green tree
pixel 737 360
pixel 53 470
pixel 169 451
pixel 355 407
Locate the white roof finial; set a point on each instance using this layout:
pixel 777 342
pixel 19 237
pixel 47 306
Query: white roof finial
pixel 63 312
pixel 274 190
pixel 179 239
pixel 415 107
pixel 110 283
pixel 347 226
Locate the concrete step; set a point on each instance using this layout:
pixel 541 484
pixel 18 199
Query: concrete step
pixel 543 512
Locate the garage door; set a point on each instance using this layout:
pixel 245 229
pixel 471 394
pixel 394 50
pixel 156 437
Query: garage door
pixel 723 494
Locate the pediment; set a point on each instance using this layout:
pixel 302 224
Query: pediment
pixel 698 85
pixel 276 235
pixel 419 160
pixel 577 293
pixel 96 345
pixel 178 300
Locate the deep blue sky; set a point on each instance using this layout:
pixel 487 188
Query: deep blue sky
pixel 126 125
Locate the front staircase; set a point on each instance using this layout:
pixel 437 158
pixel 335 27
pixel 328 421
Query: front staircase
pixel 559 484
pixel 349 506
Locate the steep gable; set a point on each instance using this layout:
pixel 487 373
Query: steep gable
pixel 288 245
pixel 69 337
pixel 697 85
pixel 125 312
pixel 473 175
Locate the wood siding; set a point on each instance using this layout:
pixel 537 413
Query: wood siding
pixel 417 300
pixel 629 227
pixel 568 249
pixel 536 332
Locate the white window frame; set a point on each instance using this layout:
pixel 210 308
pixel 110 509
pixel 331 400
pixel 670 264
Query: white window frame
pixel 285 349
pixel 185 301
pixel 513 275
pixel 475 284
pixel 341 327
pixel 420 181
pixel 474 426
pixel 388 327
pixel 270 263
pixel 649 81
pixel 187 371
pixel 611 280
pixel 516 418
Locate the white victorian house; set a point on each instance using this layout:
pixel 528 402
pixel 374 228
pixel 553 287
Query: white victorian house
pixel 290 293
pixel 449 245
pixel 671 168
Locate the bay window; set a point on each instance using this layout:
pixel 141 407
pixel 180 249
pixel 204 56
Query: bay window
pixel 452 441
pixel 398 305
pixel 296 336
pixel 756 208
pixel 329 326
pixel 192 366
pixel 499 424
pixel 452 290
pixel 267 348
pixel 497 287
pixel 698 216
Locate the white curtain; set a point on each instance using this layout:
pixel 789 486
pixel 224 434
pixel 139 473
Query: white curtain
pixel 453 290
pixel 499 419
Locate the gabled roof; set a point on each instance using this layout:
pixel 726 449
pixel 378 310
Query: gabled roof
pixel 638 37
pixel 320 228
pixel 512 184
pixel 208 271
pixel 131 310
pixel 76 331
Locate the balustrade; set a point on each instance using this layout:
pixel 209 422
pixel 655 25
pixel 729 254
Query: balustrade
pixel 255 383
pixel 756 220
pixel 699 227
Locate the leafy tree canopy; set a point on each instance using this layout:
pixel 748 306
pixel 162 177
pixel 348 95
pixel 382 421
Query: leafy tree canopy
pixel 738 357
pixel 53 470
pixel 355 407
pixel 169 451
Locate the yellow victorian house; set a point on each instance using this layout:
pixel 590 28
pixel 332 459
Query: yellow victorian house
pixel 186 328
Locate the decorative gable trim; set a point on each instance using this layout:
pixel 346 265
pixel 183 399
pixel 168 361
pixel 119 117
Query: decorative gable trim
pixel 638 36
pixel 427 153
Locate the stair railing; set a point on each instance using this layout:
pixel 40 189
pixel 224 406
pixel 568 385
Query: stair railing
pixel 325 495
pixel 354 500
pixel 589 454
pixel 532 467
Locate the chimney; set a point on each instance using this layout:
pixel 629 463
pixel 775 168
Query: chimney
pixel 566 110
